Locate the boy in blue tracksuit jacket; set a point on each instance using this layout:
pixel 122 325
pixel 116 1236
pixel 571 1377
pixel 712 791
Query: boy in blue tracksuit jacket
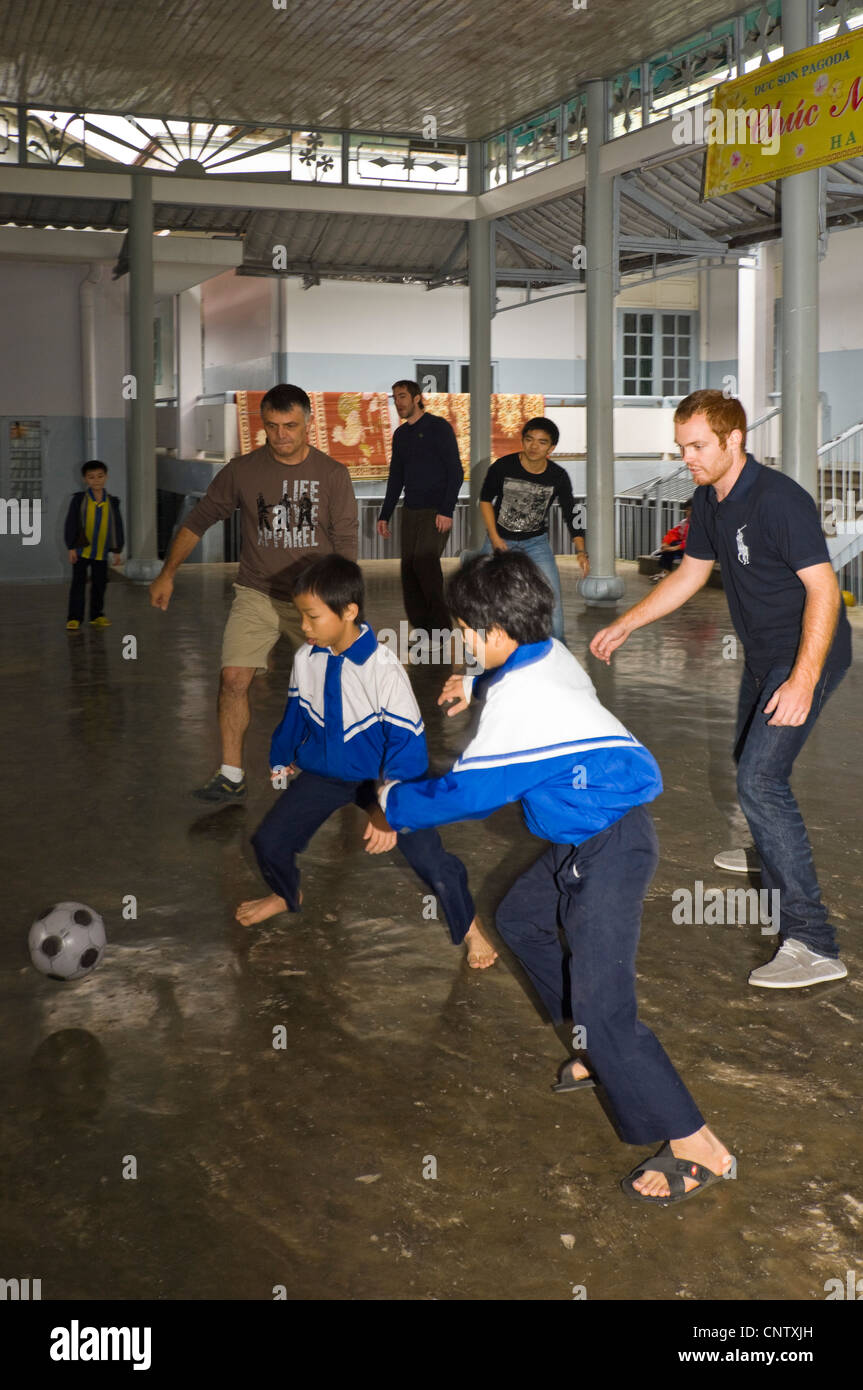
pixel 583 781
pixel 351 718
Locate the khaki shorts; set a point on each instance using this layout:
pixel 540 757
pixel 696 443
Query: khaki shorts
pixel 255 624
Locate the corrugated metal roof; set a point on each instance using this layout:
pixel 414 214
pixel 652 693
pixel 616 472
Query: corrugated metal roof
pixel 113 215
pixel 370 65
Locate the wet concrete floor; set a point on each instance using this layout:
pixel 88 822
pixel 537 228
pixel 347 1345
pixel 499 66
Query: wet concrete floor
pixel 305 1167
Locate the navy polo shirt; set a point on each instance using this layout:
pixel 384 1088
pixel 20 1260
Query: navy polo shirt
pixel 765 530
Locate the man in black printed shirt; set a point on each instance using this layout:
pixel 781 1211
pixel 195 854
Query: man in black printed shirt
pixel 516 498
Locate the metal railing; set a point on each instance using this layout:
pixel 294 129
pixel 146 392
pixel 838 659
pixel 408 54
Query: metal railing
pixel 840 502
pixel 840 480
pixel 644 513
pixel 371 545
pixel 764 436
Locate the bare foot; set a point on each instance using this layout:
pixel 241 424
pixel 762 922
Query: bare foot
pixel 574 1071
pixel 259 909
pixel 480 952
pixel 701 1147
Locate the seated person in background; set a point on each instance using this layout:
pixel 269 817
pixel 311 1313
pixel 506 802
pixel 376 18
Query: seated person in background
pixel 670 553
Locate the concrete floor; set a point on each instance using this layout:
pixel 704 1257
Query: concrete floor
pixel 304 1167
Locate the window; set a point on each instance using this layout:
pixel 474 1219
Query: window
pixel 658 357
pixel 638 354
pixel 24 476
pixel 676 355
pixel 464 376
pixel 433 376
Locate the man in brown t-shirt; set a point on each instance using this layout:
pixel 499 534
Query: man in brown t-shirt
pixel 296 504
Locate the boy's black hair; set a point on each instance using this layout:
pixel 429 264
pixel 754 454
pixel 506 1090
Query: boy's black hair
pixel 504 590
pixel 687 505
pixel 93 463
pixel 335 581
pixel 548 427
pixel 284 397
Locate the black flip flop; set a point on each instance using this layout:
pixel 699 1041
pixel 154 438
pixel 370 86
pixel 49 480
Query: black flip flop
pixel 585 1083
pixel 674 1168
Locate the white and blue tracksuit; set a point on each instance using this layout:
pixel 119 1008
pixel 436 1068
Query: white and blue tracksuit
pixel 351 719
pixel 583 780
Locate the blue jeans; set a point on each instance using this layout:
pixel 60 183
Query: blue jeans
pixel 765 756
pixel 595 893
pixel 542 555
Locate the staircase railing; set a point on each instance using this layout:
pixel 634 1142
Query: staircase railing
pixel 764 436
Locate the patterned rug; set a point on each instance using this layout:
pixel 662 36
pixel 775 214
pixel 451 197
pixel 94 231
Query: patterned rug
pixel 354 426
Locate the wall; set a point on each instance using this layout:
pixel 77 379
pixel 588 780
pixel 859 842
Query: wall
pixel 840 336
pixel 718 325
pixel 239 333
pixel 343 335
pixel 40 377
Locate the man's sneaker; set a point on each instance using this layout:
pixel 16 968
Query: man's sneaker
pixel 72 625
pixel 221 788
pixel 739 861
pixel 100 622
pixel 794 966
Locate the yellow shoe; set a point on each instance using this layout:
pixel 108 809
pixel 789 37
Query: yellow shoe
pixel 100 622
pixel 72 625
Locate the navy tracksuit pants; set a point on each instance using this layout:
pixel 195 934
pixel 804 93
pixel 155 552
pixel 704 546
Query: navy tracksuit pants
pixel 78 587
pixel 595 893
pixel 303 807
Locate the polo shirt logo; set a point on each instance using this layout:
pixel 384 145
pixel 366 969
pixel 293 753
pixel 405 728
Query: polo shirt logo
pixel 742 547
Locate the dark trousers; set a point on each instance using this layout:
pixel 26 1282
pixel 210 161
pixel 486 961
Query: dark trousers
pixel 595 892
pixel 78 588
pixel 422 577
pixel 765 756
pixel 667 559
pixel 308 801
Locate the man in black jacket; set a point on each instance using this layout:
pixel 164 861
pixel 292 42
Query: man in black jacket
pixel 426 464
pixel 94 527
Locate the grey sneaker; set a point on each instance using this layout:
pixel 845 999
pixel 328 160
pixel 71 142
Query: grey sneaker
pixel 221 788
pixel 739 861
pixel 794 966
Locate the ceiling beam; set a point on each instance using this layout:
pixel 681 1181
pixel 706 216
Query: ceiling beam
pixel 527 243
pixel 673 246
pixel 669 215
pixel 214 190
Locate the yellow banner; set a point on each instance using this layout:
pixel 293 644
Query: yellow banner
pixel 798 113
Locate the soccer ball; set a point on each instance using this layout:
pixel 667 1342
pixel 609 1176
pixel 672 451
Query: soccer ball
pixel 67 941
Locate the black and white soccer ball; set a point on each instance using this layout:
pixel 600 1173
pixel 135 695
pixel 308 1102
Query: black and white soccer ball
pixel 67 941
